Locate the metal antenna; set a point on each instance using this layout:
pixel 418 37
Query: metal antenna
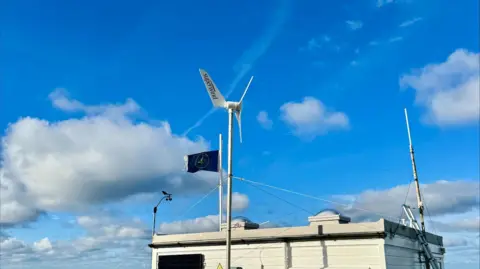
pixel 415 175
pixel 417 184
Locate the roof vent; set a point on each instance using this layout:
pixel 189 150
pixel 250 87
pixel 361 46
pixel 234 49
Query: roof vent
pixel 241 223
pixel 328 216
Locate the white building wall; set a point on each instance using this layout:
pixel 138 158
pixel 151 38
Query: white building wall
pixel 404 253
pixel 270 255
pixel 358 253
pixel 389 253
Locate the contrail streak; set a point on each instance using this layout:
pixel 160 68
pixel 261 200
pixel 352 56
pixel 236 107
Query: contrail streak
pixel 245 63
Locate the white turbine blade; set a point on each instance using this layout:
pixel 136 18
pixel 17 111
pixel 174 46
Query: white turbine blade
pixel 246 89
pixel 238 114
pixel 213 92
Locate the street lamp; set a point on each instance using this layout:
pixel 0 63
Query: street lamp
pixel 167 196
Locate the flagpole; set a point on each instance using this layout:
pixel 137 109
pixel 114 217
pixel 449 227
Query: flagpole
pixel 220 183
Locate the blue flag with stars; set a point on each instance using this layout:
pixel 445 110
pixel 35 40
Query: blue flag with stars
pixel 205 161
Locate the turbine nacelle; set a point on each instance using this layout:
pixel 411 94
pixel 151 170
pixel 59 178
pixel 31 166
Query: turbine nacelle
pixel 235 106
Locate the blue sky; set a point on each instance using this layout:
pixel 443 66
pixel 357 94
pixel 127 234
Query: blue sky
pixel 87 90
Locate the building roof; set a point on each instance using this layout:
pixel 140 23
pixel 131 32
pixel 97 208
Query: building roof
pixel 328 231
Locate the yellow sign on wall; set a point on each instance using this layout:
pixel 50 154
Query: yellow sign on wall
pixel 219 266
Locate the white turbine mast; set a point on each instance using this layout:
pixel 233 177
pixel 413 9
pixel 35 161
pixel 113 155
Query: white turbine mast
pixel 232 107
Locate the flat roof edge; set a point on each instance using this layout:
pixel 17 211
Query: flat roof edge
pixel 238 241
pixel 366 230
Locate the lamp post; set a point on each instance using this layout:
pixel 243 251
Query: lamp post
pixel 167 197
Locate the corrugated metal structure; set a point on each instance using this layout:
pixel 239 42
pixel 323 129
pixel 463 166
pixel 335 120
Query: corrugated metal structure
pixel 329 241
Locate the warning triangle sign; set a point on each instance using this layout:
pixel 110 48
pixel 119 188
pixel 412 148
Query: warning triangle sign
pixel 219 266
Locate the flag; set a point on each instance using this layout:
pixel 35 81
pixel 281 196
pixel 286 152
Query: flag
pixel 206 161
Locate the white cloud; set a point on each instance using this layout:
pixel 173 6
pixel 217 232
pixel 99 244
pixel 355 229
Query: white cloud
pixel 472 224
pixel 448 91
pixel 311 117
pixel 312 44
pixel 457 222
pixel 442 197
pixel 354 25
pixel 462 250
pixel 381 3
pixel 44 245
pixel 395 39
pixel 12 245
pixel 197 225
pixel 104 244
pixel 105 227
pixel 61 100
pixel 264 120
pixel 15 250
pixel 410 22
pixel 104 156
pixel 15 204
pixel 452 212
pixel 240 202
pixel 101 247
pixel 455 242
pixel 317 43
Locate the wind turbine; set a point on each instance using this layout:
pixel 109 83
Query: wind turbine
pixel 219 101
pixel 232 107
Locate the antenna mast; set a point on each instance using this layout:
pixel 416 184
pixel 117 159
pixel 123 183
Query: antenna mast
pixel 415 176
